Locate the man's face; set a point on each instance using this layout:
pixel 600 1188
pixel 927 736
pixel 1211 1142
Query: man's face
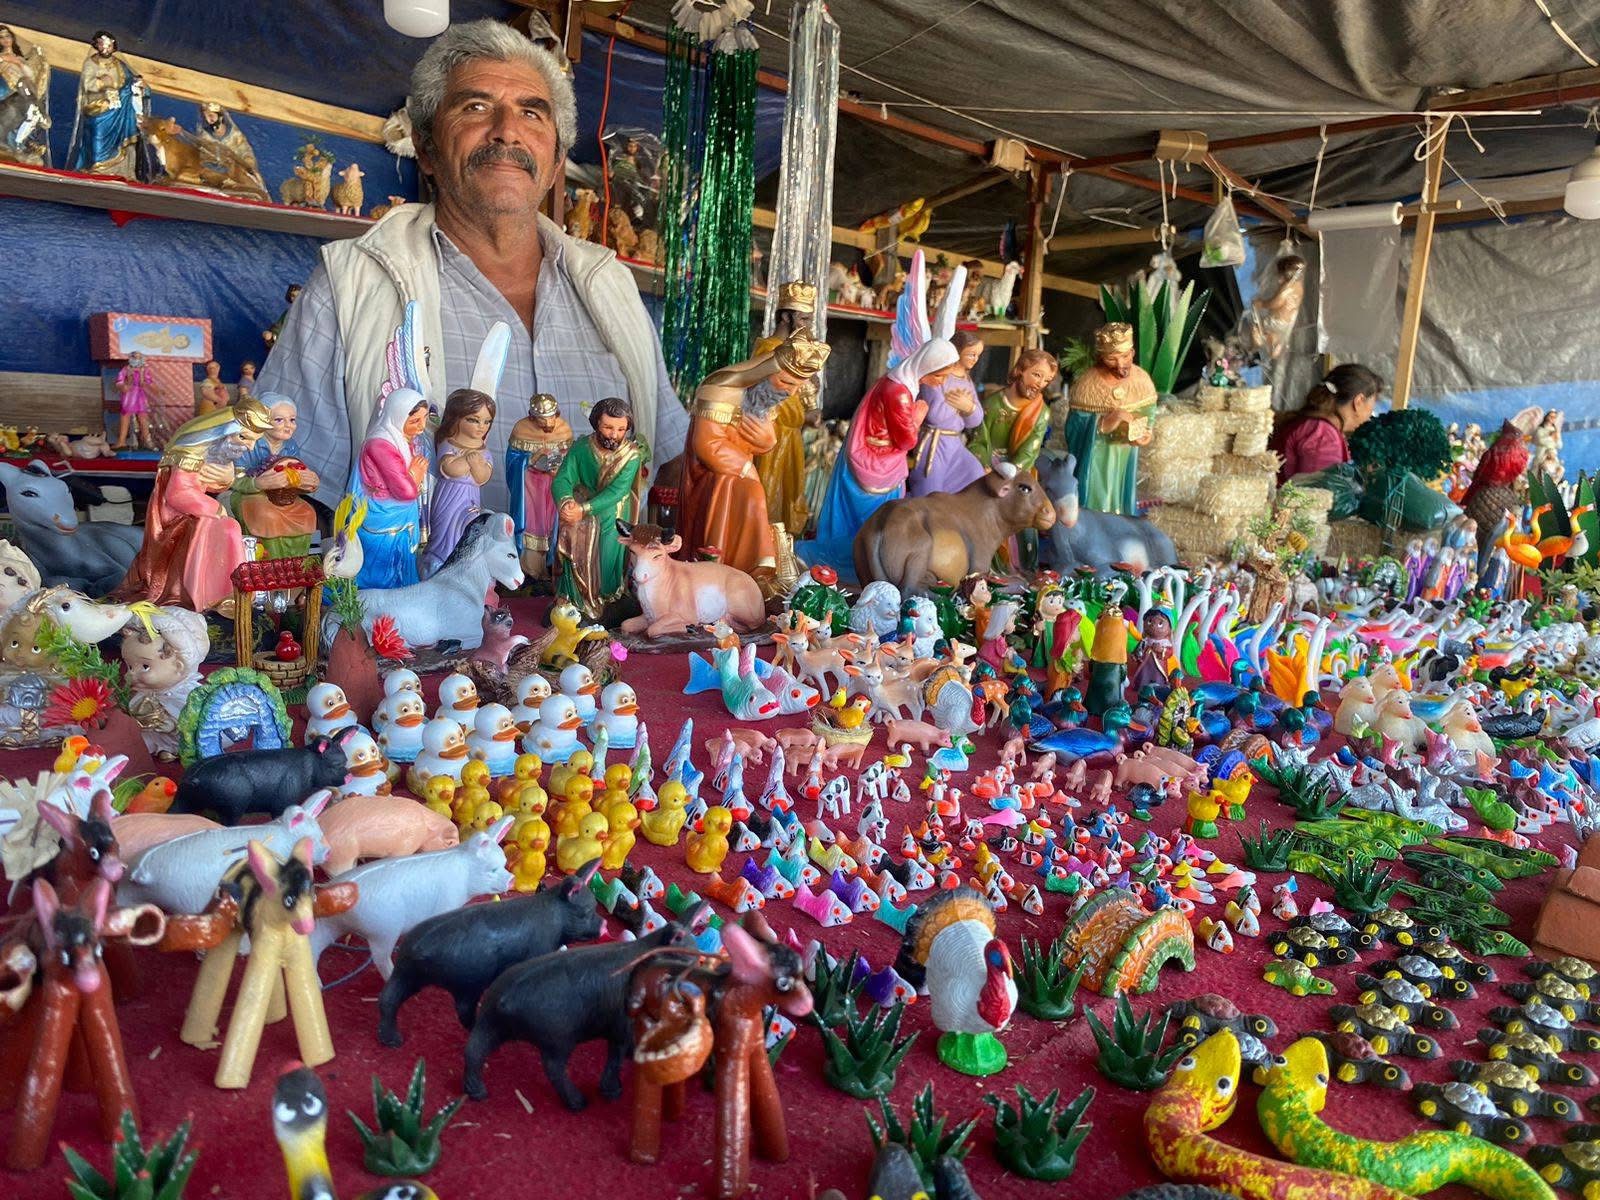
pixel 1118 362
pixel 494 139
pixel 1031 382
pixel 103 45
pixel 611 431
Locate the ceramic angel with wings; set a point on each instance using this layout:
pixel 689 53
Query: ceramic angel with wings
pixel 391 472
pixel 462 464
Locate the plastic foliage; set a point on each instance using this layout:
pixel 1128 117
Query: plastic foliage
pixel 1039 1138
pixel 344 602
pixel 1270 851
pixel 1130 1051
pixel 1557 523
pixel 1076 357
pixel 79 660
pixel 1311 796
pixel 1045 988
pixel 836 990
pixel 403 1145
pixel 925 1137
pixel 1405 440
pixel 160 1173
pixel 1164 326
pixel 1361 886
pixel 863 1062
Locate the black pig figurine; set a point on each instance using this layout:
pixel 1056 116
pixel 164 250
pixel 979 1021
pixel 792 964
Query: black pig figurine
pixel 558 1001
pixel 465 949
pixel 237 784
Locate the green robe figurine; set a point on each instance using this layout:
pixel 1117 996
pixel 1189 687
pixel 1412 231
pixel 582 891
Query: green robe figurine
pixel 602 480
pixel 1108 661
pixel 1110 406
pixel 1014 419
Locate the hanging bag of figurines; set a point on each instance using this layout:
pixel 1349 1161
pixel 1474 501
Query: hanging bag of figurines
pixel 1224 241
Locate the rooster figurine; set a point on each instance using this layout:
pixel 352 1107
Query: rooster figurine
pixel 967 970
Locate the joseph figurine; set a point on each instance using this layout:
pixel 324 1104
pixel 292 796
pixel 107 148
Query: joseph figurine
pixel 1014 418
pixel 598 482
pixel 721 501
pixel 1108 419
pixel 783 468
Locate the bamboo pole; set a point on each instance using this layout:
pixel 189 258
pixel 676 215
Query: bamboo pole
pixel 1417 282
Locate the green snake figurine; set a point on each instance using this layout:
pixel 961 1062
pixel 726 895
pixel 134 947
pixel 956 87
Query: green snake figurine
pixel 1294 1091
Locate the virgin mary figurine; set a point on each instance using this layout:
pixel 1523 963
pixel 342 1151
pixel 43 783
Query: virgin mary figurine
pixel 389 474
pixel 111 99
pixel 24 101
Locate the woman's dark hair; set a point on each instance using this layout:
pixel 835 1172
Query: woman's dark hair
pixel 962 338
pixel 461 403
pixel 1340 387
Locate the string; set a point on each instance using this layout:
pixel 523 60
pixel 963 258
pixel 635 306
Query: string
pixel 1434 138
pixel 1562 34
pixel 1066 174
pixel 929 29
pixel 1316 175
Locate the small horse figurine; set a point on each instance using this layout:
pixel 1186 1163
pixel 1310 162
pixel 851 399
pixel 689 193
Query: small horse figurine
pixel 449 603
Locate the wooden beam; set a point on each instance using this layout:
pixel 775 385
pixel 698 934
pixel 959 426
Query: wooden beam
pixel 1073 287
pixel 1513 208
pixel 1033 262
pixel 1110 237
pixel 960 192
pixel 1417 282
pixel 65 54
pixel 1577 84
pixel 1276 207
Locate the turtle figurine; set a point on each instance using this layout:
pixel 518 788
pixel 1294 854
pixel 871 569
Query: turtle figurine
pixel 1536 1016
pixel 1296 978
pixel 1304 944
pixel 1384 1028
pixel 1515 1089
pixel 1573 1167
pixel 1465 1109
pixel 1198 1018
pixel 1352 1059
pixel 1397 927
pixel 1332 926
pixel 1454 964
pixel 1427 976
pixel 1559 993
pixel 1532 1052
pixel 1409 1002
pixel 1584 978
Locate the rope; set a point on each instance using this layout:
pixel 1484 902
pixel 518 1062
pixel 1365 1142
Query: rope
pixel 908 40
pixel 1166 228
pixel 1434 138
pixel 1316 175
pixel 1066 174
pixel 1562 34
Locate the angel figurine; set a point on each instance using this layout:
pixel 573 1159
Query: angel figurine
pixel 24 101
pixel 873 468
pixel 391 471
pixel 462 465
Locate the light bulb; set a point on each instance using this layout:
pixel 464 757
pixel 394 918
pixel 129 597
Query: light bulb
pixel 417 18
pixel 1582 199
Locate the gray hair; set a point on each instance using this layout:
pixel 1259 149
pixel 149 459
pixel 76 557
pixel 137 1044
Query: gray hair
pixel 490 41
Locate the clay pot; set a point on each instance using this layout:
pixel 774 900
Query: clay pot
pixel 121 735
pixel 353 665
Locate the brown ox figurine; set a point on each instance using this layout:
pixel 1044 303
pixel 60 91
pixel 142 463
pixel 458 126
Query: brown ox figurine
pixel 676 596
pixel 945 537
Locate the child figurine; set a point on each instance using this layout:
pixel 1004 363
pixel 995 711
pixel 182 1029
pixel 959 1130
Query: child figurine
pixel 1056 646
pixel 247 380
pixel 1001 624
pixel 133 385
pixel 161 664
pixel 1154 651
pixel 269 495
pixel 213 392
pixel 461 467
pixel 539 443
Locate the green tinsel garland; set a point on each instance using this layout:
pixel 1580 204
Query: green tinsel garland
pixel 708 192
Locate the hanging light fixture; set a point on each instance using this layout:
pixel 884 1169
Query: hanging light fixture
pixel 417 18
pixel 1582 199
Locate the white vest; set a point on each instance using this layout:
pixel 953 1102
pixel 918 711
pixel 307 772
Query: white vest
pixel 396 261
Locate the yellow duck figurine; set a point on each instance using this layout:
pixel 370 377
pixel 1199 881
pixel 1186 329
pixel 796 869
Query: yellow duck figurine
pixel 530 798
pixel 559 647
pixel 533 839
pixel 439 794
pixel 485 815
pixel 300 1123
pixel 846 713
pixel 705 850
pixel 569 816
pixel 563 773
pixel 1204 809
pixel 664 823
pixel 622 818
pixel 584 846
pixel 619 776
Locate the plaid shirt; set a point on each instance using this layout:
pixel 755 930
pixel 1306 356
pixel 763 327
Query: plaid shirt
pixel 565 356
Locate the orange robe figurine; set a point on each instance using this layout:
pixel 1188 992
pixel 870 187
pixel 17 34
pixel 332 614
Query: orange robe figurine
pixel 722 503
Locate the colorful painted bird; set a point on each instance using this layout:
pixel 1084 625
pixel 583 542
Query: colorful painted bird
pixel 300 1121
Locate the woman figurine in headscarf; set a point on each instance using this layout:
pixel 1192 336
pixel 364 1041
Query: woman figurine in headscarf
pixel 943 463
pixel 268 496
pixel 389 474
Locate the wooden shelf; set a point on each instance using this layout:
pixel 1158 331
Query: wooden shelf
pixel 178 204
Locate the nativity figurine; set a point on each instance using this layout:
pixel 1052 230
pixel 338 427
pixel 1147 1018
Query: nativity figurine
pixel 1110 406
pixel 783 468
pixel 24 101
pixel 226 151
pixel 1014 419
pixel 599 483
pixel 942 462
pixel 161 666
pixel 539 443
pixel 111 99
pixel 461 466
pixel 211 392
pixel 269 495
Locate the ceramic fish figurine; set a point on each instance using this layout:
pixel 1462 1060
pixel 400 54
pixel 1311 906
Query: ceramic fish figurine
pixel 533 691
pixel 493 740
pixel 619 716
pixel 444 752
pixel 554 737
pixel 328 711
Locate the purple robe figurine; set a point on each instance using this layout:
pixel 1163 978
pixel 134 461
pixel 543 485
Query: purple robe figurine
pixel 462 463
pixel 942 462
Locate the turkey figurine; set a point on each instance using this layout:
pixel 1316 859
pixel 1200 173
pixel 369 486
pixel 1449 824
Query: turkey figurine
pixel 968 975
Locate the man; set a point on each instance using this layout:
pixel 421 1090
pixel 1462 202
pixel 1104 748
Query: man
pixel 493 117
pixel 722 502
pixel 1014 420
pixel 783 468
pixel 1109 419
pixel 597 483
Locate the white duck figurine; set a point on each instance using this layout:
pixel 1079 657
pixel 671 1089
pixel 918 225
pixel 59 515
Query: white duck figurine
pixel 327 710
pixel 1461 725
pixel 554 736
pixel 1395 721
pixel 493 739
pixel 458 698
pixel 533 691
pixel 401 679
pixel 399 721
pixel 619 716
pixel 578 685
pixel 368 771
pixel 444 752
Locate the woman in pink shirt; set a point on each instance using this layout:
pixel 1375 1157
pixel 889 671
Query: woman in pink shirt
pixel 1313 439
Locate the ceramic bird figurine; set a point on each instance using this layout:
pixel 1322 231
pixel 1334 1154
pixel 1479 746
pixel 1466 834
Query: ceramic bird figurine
pixel 458 698
pixel 584 846
pixel 533 691
pixel 619 715
pixel 300 1123
pixel 622 818
pixel 578 685
pixel 493 740
pixel 398 720
pixel 444 752
pixel 664 823
pixel 968 976
pixel 704 850
pixel 554 738
pixel 533 840
pixel 327 710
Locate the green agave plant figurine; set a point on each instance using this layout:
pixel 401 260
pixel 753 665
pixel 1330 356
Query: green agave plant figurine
pixel 1361 886
pixel 836 990
pixel 402 1145
pixel 1164 326
pixel 1130 1051
pixel 1046 989
pixel 926 1136
pixel 160 1173
pixel 863 1062
pixel 1270 851
pixel 1039 1138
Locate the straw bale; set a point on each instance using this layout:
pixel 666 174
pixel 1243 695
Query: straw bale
pixel 1354 539
pixel 1211 398
pixel 1226 496
pixel 1250 399
pixel 1255 464
pixel 1250 443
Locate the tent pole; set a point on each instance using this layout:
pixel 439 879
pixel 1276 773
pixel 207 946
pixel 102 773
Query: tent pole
pixel 1417 282
pixel 1033 265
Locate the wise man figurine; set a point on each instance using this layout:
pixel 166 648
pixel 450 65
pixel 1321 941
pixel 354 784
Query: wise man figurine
pixel 1109 411
pixel 783 468
pixel 537 448
pixel 721 501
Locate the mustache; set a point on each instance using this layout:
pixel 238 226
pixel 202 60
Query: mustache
pixel 496 153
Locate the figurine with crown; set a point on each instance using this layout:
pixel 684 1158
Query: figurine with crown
pixel 721 501
pixel 1109 410
pixel 783 468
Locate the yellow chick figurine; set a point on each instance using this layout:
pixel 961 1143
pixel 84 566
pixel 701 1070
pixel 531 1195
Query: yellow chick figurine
pixel 469 798
pixel 530 798
pixel 847 714
pixel 579 764
pixel 622 818
pixel 475 773
pixel 618 777
pixel 705 850
pixel 526 770
pixel 533 839
pixel 664 823
pixel 439 794
pixel 485 815
pixel 569 816
pixel 579 788
pixel 586 845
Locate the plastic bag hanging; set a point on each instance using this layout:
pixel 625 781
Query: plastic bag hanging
pixel 1224 242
